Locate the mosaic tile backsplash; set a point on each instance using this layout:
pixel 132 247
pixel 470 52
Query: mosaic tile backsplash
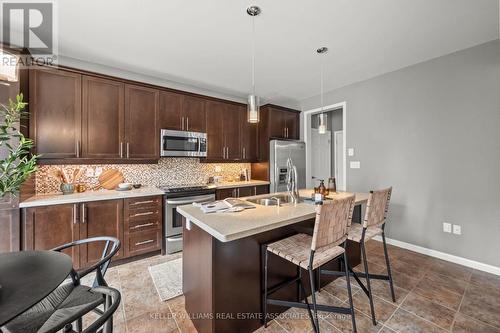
pixel 168 171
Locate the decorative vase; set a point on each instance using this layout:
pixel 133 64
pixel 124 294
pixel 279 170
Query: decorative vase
pixel 67 188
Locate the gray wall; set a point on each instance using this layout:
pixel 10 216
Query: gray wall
pixel 432 131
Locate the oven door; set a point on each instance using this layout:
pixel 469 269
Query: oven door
pixel 173 220
pixel 180 143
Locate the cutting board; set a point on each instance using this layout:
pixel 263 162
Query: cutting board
pixel 110 179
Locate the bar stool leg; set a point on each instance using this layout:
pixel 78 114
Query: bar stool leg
pixel 349 292
pixel 388 267
pixel 311 279
pixel 299 281
pixel 265 287
pixel 368 285
pixel 319 279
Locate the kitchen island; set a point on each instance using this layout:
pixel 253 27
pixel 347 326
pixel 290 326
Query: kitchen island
pixel 223 255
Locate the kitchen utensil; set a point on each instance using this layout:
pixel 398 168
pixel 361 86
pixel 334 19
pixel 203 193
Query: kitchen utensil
pixel 67 188
pixel 109 179
pixel 64 177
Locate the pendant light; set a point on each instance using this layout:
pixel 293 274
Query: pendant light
pixel 323 117
pixel 253 103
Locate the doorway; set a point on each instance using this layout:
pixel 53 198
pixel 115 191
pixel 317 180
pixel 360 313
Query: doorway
pixel 326 151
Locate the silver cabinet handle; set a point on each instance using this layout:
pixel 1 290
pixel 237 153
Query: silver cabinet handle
pixel 74 214
pixel 182 123
pixel 142 225
pixel 77 148
pixel 187 123
pixel 142 202
pixel 244 153
pixel 83 213
pixel 128 150
pixel 121 149
pixel 145 242
pixel 223 152
pixel 143 214
pixel 238 192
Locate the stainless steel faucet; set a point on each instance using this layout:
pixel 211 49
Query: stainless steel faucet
pixel 291 180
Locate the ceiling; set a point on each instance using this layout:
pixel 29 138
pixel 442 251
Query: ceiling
pixel 207 44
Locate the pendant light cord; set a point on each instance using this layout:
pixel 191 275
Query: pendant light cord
pixel 253 54
pixel 321 82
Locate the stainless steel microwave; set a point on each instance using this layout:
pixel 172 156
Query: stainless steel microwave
pixel 184 144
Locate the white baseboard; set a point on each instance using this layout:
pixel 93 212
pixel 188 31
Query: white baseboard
pixel 444 256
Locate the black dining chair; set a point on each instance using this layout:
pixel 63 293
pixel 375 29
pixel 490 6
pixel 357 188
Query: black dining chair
pixel 65 307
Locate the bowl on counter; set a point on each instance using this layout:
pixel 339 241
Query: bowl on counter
pixel 124 186
pixel 136 186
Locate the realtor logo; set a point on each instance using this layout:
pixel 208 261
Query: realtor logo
pixel 30 25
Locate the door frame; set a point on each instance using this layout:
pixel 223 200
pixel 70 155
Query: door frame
pixel 335 149
pixel 307 138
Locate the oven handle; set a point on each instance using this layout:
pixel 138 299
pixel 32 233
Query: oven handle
pixel 200 199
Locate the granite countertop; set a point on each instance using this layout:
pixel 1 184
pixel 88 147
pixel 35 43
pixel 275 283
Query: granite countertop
pixel 58 198
pixel 231 226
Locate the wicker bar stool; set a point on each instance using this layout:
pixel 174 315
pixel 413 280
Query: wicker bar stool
pixel 328 242
pixel 373 225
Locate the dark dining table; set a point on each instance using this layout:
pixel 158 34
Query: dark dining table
pixel 27 277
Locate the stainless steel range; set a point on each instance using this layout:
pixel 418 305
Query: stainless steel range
pixel 175 196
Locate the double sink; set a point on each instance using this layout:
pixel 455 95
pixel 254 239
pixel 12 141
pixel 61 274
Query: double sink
pixel 273 200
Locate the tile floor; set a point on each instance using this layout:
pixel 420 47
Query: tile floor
pixel 432 296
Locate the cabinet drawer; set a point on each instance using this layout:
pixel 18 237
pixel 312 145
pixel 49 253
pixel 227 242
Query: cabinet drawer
pixel 142 242
pixel 143 202
pixel 144 224
pixel 143 213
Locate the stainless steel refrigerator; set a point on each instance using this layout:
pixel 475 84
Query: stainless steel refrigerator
pixel 279 152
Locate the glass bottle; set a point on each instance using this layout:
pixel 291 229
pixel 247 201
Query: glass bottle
pixel 332 185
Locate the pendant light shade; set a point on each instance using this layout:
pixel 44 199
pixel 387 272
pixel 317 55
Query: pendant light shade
pixel 253 106
pixel 253 103
pixel 322 121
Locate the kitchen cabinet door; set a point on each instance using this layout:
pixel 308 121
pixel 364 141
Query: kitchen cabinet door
pixel 261 189
pixel 292 124
pixel 55 112
pixel 102 118
pixel 231 122
pixel 141 122
pixel 224 193
pixel 47 227
pixel 171 111
pixel 248 133
pixel 194 114
pixel 246 191
pixel 100 218
pixel 277 123
pixel 215 112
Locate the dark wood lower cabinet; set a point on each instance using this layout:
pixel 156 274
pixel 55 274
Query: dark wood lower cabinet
pixel 100 218
pixel 47 227
pixel 240 192
pixel 137 223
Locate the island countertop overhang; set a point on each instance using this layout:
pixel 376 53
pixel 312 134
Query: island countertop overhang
pixel 227 227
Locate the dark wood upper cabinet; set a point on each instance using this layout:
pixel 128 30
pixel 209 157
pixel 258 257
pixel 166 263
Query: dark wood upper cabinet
pixel 55 107
pixel 182 112
pixel 46 227
pixel 194 112
pixel 248 135
pixel 215 136
pixel 102 118
pixel 277 123
pixel 292 125
pixel 100 218
pixel 223 131
pixel 142 137
pixel 231 129
pixel 171 111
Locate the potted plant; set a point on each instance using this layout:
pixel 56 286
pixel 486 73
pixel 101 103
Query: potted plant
pixel 16 163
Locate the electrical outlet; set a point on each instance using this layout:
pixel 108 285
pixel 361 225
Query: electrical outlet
pixel 218 168
pixel 457 229
pixel 355 164
pixel 350 152
pixel 98 171
pixel 447 227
